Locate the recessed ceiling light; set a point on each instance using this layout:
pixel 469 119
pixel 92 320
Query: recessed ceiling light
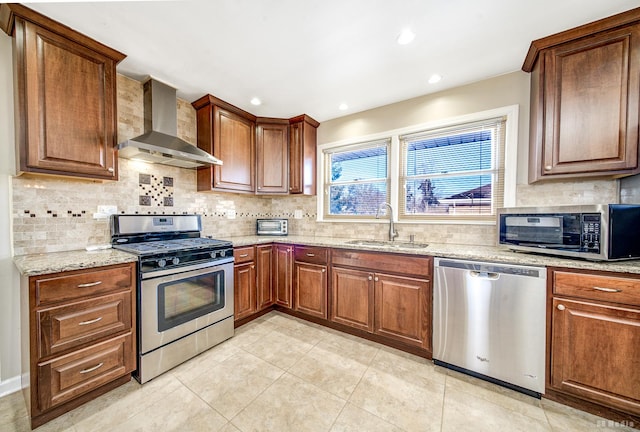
pixel 256 101
pixel 406 36
pixel 343 107
pixel 434 78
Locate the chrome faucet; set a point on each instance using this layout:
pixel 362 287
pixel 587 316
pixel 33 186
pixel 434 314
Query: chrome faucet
pixel 392 232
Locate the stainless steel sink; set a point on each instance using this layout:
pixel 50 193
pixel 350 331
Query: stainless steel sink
pixel 383 243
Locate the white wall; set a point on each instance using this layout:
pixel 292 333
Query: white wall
pixel 9 282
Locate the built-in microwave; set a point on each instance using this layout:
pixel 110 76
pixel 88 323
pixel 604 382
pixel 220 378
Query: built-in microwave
pixel 605 232
pixel 277 227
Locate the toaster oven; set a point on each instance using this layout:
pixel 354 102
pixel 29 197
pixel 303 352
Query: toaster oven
pixel 277 227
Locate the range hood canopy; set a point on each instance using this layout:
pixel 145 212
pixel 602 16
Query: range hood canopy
pixel 159 143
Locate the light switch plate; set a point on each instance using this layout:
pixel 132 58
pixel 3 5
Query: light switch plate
pixel 231 214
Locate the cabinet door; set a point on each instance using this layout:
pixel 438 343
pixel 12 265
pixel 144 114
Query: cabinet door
pixel 272 156
pixel 591 94
pixel 264 271
pixel 234 144
pixel 66 101
pixel 244 294
pixel 283 267
pixel 66 377
pixel 302 156
pixel 352 298
pixel 595 351
pixel 310 282
pixel 403 309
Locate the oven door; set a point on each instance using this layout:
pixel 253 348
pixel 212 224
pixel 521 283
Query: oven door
pixel 184 301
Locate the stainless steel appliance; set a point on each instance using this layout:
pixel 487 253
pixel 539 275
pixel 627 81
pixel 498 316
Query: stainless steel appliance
pixel 185 288
pixel 489 321
pixel 596 232
pixel 272 226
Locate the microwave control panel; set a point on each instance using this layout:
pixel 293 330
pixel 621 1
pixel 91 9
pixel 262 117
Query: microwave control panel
pixel 591 232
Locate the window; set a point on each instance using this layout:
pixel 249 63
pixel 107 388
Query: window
pixel 356 178
pixel 453 172
pixel 457 170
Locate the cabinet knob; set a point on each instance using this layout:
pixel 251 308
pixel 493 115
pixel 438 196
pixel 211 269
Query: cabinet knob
pixel 561 307
pixel 324 270
pixel 370 277
pixel 547 167
pixel 110 169
pixel 376 279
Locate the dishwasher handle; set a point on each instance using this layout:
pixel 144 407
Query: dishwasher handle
pixel 484 275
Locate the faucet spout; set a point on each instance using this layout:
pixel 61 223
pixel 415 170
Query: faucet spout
pixel 392 231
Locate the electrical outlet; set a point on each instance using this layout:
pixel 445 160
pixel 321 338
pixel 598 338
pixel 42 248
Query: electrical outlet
pixel 107 209
pixel 297 214
pixel 231 214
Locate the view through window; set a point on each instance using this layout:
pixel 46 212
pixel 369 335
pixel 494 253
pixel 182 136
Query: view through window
pixel 357 178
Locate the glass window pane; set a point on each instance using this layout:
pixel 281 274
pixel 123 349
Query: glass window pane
pixel 449 195
pixel 357 199
pixel 448 154
pixel 362 164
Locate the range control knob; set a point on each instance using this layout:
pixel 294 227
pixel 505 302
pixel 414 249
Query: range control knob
pixel 212 254
pixel 175 261
pixel 161 262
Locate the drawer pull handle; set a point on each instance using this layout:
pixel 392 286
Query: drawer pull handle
pixel 90 321
pixel 90 284
pixel 310 254
pixel 244 255
pixel 91 369
pixel 609 290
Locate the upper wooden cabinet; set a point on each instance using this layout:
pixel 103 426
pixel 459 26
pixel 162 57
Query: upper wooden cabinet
pixel 302 155
pixel 65 90
pixel 585 95
pixel 272 151
pixel 228 133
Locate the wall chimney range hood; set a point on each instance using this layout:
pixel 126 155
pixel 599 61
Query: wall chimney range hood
pixel 160 144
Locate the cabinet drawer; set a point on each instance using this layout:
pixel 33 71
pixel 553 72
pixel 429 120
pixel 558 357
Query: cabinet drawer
pixel 613 289
pixel 244 254
pixel 384 262
pixel 78 284
pixel 69 326
pixel 311 254
pixel 79 372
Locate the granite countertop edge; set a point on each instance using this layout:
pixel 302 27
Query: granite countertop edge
pixel 55 262
pixel 449 250
pixel 45 263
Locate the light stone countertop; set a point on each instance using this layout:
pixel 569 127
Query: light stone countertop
pixel 45 263
pixel 447 250
pixel 37 264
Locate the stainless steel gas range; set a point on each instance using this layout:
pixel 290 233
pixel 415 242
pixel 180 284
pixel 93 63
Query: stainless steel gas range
pixel 185 288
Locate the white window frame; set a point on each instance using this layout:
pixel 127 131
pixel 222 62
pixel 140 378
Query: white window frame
pixel 511 113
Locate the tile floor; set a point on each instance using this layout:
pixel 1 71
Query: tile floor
pixel 279 373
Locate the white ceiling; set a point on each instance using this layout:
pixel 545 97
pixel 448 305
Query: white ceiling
pixel 302 56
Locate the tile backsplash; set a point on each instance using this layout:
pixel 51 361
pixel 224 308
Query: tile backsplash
pixel 56 214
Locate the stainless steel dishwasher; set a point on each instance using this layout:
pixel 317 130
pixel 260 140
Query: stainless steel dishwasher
pixel 489 321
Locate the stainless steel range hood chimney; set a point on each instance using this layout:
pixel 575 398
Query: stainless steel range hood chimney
pixel 159 143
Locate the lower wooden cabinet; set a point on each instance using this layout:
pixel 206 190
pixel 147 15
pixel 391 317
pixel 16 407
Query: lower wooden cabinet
pixel 367 294
pixel 264 276
pixel 402 309
pixel 310 280
pixel 595 344
pixel 283 272
pixel 352 298
pixel 78 337
pixel 244 282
